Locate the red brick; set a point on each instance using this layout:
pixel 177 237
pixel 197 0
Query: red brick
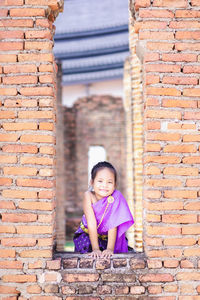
pixel 13 218
pixel 5 181
pixel 187 35
pixel 152 194
pixel 156 278
pixel 20 148
pixel 158 230
pixel 160 91
pixel 18 242
pixel 154 264
pixel 31 138
pixel 191 230
pixel 37 57
pixel 4 289
pixel 38 34
pixel 34 289
pixel 163 136
pixel 162 46
pixel 38 45
pixel 45 23
pixel 7 253
pixel 16 23
pixel 36 91
pixel 20 103
pixel 3 12
pixel 27 12
pixel 20 68
pixel 192 252
pixel 180 148
pixel 35 115
pixel 187 14
pixel 141 3
pixel 171 263
pixel 162 68
pixel 152 170
pixel 179 218
pixel 20 126
pixel 172 205
pixel 151 57
pixel 185 194
pixel 53 264
pixel 179 57
pixel 8 159
pixel 153 218
pixel 191 138
pixel 170 3
pixel 14 34
pixel 19 278
pixel 11 46
pixel 179 103
pixel 35 183
pixel 19 194
pixel 45 68
pixel 36 160
pixel 20 171
pixel 181 171
pixel 7 205
pixel 191 160
pixel 179 80
pixel 150 35
pixel 152 101
pixel 191 115
pixel 192 182
pixel 165 253
pixel 46 79
pixel 153 241
pixel 8 91
pixel 156 13
pixel 152 125
pixel 195 3
pixel 36 205
pixel 192 206
pixel 162 159
pixel 187 264
pixel 163 182
pixel 34 229
pixel 154 289
pixel 7 229
pixel 7 114
pixel 188 276
pixel 152 147
pixel 20 79
pixel 8 58
pixel 122 290
pixel 191 69
pixel 187 46
pixel 162 114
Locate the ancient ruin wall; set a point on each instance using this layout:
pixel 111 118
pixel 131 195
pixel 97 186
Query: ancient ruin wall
pixel 168 269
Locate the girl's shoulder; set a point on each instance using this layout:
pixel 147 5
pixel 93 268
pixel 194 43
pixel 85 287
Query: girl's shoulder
pixel 89 196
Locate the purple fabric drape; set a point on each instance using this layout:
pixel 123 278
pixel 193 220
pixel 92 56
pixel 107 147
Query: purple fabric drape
pixel 117 215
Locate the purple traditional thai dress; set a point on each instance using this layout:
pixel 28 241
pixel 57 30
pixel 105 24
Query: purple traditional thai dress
pixel 117 214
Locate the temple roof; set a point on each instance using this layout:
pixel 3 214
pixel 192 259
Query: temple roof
pixel 91 40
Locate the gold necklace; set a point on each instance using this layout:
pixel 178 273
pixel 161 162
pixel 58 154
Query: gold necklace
pixel 110 200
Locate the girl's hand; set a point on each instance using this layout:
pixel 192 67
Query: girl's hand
pixel 95 254
pixel 107 253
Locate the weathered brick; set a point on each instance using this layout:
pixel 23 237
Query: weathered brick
pixel 188 276
pixel 34 289
pixel 7 205
pixel 102 264
pixel 154 289
pixel 154 264
pixel 171 263
pixel 122 290
pixel 118 277
pixel 156 278
pixel 7 253
pixel 81 277
pixel 187 264
pixel 137 290
pixel 19 278
pixel 7 289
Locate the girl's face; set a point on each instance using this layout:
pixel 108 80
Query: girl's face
pixel 104 183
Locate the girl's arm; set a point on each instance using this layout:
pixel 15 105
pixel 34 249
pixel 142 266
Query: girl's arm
pixel 112 234
pixel 92 224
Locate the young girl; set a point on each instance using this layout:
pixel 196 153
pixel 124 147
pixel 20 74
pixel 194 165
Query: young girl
pixel 106 216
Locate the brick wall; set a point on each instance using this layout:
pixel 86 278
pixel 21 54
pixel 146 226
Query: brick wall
pixel 168 33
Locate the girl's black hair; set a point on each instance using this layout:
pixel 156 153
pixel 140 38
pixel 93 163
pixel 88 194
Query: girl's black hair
pixel 101 165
